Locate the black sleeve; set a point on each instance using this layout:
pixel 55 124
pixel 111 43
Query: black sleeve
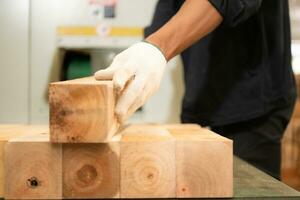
pixel 164 11
pixel 236 11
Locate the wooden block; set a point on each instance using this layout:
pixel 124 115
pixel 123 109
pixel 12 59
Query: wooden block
pixel 9 131
pixel 181 128
pixel 204 164
pixel 290 154
pixel 296 111
pixel 91 170
pixel 147 163
pixel 82 111
pixel 33 168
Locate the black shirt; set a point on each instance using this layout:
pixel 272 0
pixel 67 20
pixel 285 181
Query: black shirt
pixel 242 70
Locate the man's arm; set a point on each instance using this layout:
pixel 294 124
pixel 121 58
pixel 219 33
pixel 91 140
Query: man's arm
pixel 138 70
pixel 194 20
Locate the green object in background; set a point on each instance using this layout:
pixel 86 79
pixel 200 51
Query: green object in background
pixel 79 66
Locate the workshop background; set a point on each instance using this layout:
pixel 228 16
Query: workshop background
pixel 49 40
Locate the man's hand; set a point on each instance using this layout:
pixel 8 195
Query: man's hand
pixel 136 73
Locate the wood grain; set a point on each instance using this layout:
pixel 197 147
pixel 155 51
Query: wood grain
pixel 144 161
pixel 82 111
pixel 147 163
pixel 91 170
pixel 204 163
pixel 33 168
pixel 9 131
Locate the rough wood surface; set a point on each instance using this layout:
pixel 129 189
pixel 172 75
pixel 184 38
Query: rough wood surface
pixel 82 111
pixel 204 162
pixel 9 131
pixel 91 170
pixel 33 168
pixel 147 163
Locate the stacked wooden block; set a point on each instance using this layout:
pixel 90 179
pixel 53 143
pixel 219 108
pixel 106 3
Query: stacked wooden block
pixel 290 154
pixel 290 148
pixel 86 157
pixel 10 131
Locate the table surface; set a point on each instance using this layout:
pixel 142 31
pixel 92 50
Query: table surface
pixel 251 183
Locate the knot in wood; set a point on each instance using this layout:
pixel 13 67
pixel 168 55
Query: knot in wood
pixel 33 182
pixel 87 174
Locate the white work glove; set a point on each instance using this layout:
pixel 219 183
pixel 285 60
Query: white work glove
pixel 136 73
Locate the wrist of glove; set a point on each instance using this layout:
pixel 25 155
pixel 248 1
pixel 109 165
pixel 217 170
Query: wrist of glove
pixel 136 73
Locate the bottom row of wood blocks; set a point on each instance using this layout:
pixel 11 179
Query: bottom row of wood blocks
pixel 147 161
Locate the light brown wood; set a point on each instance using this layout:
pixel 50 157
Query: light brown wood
pixel 2 180
pixel 147 163
pixel 204 164
pixel 91 170
pixel 82 111
pixel 9 131
pixel 181 128
pixel 290 154
pixel 33 168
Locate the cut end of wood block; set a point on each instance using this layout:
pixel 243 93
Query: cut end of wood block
pixel 202 157
pixel 91 170
pixel 82 111
pixel 9 132
pixel 33 170
pixel 147 163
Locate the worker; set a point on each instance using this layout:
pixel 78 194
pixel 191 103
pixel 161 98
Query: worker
pixel 237 70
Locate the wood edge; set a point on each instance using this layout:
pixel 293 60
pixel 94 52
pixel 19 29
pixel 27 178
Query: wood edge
pixel 147 133
pixel 31 138
pixel 6 168
pixel 83 81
